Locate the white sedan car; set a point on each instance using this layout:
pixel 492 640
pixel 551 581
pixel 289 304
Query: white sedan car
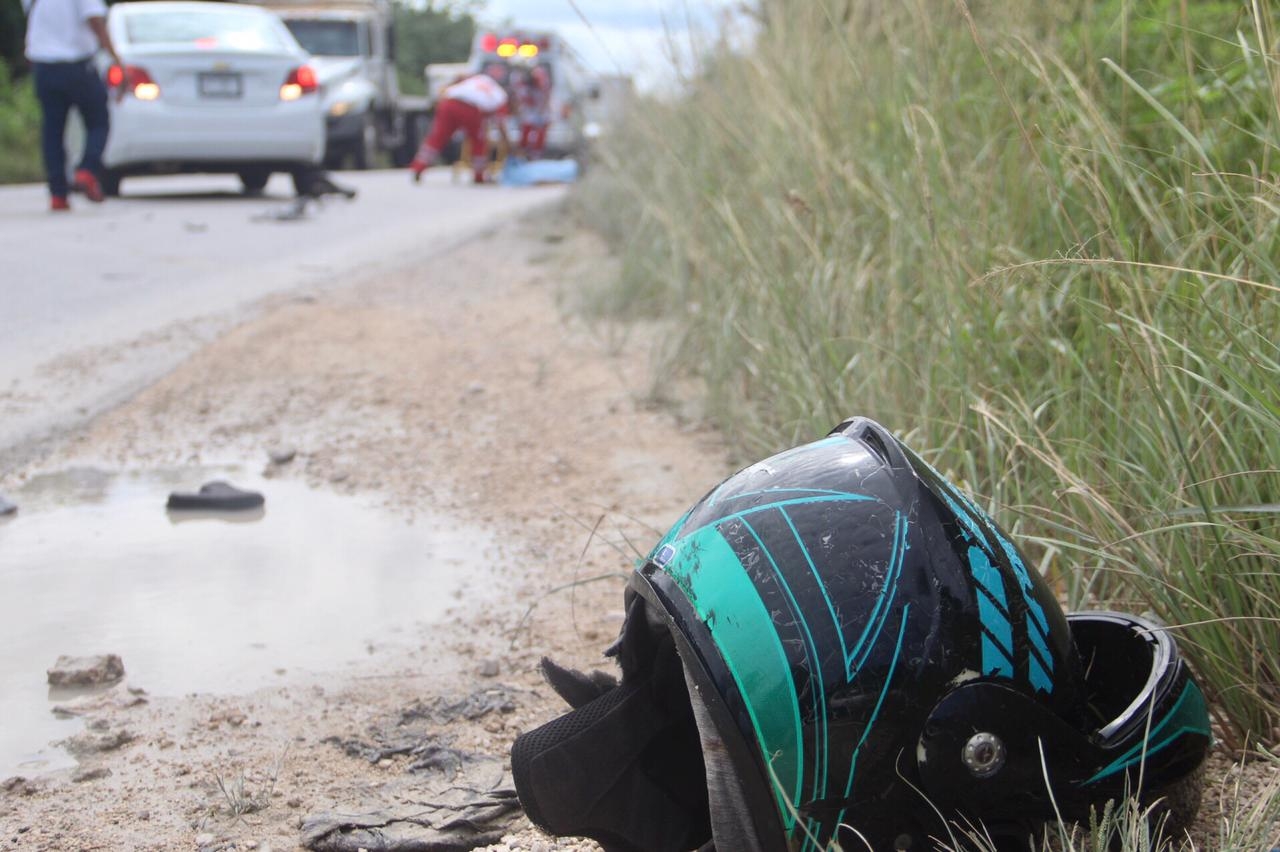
pixel 209 87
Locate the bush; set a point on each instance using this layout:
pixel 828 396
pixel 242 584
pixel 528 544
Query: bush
pixel 1041 242
pixel 19 130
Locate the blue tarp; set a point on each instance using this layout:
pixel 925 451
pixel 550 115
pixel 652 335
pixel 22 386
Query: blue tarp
pixel 517 172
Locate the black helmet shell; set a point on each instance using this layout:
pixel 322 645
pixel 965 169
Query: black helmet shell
pixel 845 647
pixel 834 592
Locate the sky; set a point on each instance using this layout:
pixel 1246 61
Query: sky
pixel 633 37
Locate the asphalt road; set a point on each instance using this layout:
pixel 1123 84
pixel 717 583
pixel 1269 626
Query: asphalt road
pixel 97 303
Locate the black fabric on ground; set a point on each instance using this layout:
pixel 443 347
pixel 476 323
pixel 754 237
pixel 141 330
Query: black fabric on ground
pixel 625 768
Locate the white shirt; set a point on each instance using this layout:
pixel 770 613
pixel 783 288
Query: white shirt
pixel 479 90
pixel 58 30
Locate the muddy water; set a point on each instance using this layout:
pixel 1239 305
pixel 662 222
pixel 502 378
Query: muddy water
pixel 94 564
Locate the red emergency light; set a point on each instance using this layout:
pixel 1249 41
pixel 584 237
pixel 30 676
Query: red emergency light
pixel 489 43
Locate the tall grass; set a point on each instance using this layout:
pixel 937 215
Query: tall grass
pixel 1041 243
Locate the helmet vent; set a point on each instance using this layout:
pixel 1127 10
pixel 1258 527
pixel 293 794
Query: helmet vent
pixel 875 442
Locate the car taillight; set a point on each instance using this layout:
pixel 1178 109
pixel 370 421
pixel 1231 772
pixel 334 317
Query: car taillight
pixel 134 80
pixel 301 81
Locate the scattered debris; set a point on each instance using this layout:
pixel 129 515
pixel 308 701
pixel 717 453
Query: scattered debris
pixel 282 454
pixel 116 698
pixel 86 671
pixel 437 758
pixel 217 495
pixel 18 785
pixel 459 820
pixel 372 752
pixel 319 185
pixel 88 742
pixel 82 775
pixel 441 710
pixel 427 752
pixel 292 212
pixel 7 506
pixel 232 716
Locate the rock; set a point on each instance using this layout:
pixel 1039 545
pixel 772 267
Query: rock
pixel 233 717
pixel 461 820
pixel 93 774
pixel 489 668
pixel 217 496
pixel 7 506
pixel 282 454
pixel 86 671
pixel 112 699
pixel 17 785
pixel 89 743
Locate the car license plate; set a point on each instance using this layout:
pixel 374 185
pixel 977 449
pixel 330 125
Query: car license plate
pixel 220 85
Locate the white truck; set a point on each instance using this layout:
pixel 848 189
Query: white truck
pixel 352 43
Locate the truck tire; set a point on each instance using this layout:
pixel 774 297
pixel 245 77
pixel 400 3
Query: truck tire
pixel 364 154
pixel 416 127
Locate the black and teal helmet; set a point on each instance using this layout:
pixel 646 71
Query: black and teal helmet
pixel 836 644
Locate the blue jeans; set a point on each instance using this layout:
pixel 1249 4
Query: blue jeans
pixel 59 87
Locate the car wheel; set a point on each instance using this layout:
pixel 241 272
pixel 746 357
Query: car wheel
pixel 111 183
pixel 366 147
pixel 254 180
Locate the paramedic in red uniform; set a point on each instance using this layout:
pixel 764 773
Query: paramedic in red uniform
pixel 535 111
pixel 466 105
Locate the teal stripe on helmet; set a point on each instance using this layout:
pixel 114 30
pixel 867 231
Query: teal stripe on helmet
pixel 884 690
pixel 813 569
pixel 706 568
pixel 884 602
pixel 1190 715
pixel 818 697
pixel 1040 659
pixel 993 610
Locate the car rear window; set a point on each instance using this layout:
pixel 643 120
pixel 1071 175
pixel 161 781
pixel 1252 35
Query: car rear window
pixel 223 30
pixel 326 38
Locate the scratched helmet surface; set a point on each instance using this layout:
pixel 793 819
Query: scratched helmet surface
pixel 869 659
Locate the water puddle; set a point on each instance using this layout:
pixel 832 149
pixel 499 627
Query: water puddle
pixel 200 602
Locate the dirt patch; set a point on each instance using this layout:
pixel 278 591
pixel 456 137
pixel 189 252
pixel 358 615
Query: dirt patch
pixel 458 387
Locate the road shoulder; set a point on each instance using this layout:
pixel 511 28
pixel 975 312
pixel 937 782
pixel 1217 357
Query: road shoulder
pixel 461 387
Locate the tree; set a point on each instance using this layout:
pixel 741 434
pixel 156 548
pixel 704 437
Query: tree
pixel 434 33
pixel 13 29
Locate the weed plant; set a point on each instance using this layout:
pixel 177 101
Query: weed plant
pixel 1040 241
